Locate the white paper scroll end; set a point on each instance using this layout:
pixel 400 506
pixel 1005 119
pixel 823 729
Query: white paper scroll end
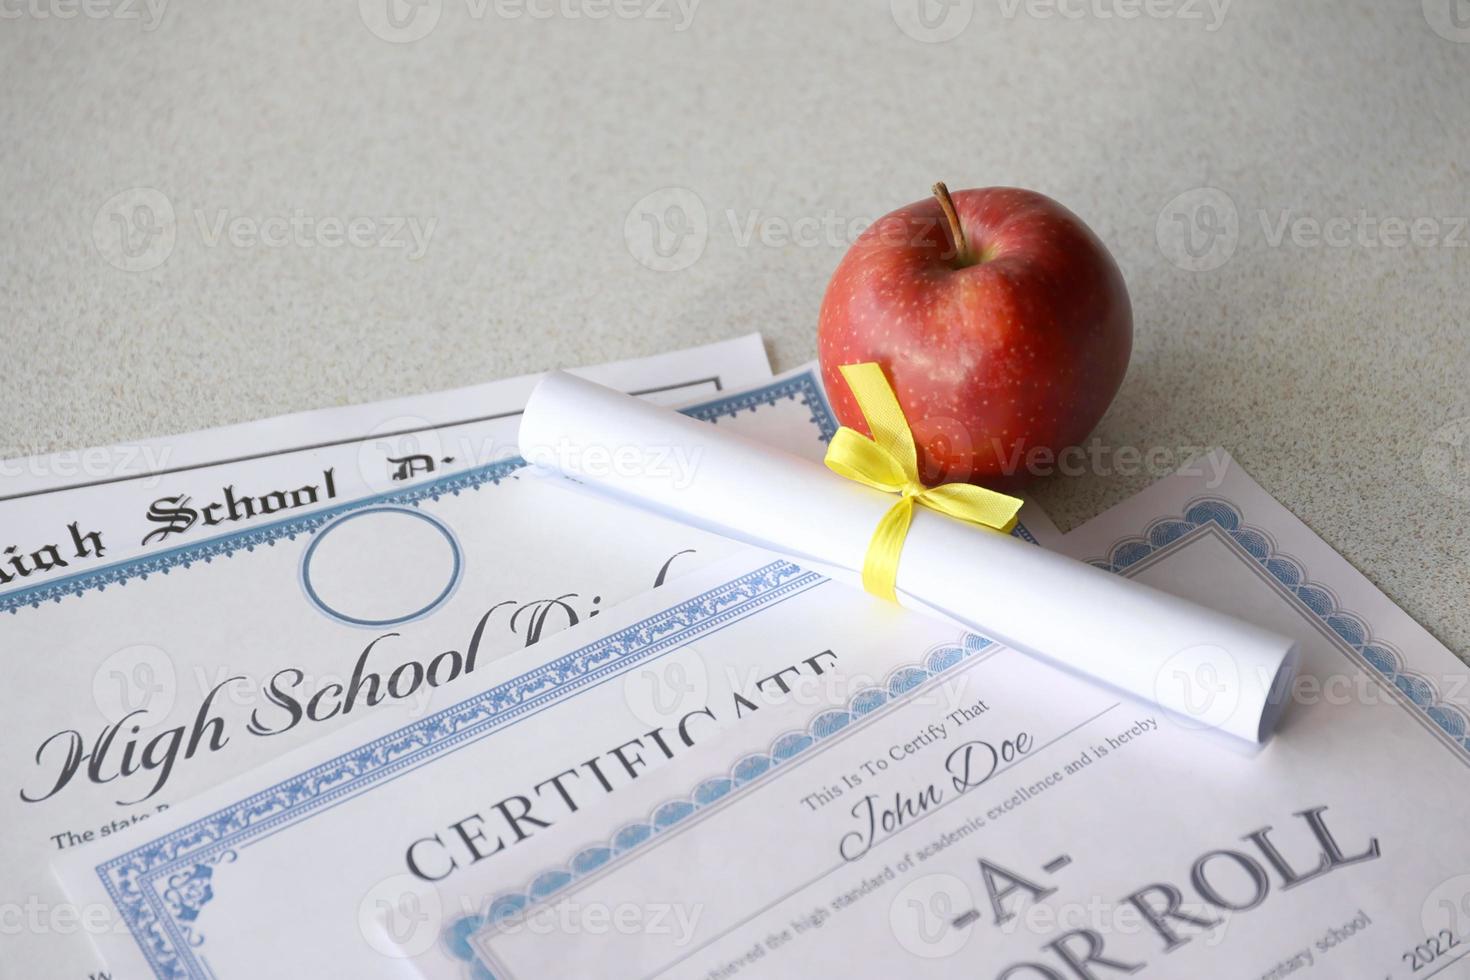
pixel 1201 665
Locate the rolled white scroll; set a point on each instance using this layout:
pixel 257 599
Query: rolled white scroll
pixel 1207 667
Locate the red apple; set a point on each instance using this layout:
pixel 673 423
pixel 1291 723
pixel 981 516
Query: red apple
pixel 1001 321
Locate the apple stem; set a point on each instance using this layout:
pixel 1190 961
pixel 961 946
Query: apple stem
pixel 956 233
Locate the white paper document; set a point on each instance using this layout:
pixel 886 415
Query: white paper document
pixel 989 816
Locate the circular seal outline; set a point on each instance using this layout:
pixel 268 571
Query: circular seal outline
pixel 437 601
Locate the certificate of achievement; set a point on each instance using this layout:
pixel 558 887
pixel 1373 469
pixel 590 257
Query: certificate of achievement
pixel 74 512
pixel 133 685
pixel 285 870
pixel 1030 825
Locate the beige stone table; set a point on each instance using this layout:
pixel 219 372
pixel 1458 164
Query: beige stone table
pixel 207 212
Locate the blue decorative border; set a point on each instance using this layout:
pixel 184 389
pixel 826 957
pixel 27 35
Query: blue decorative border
pixel 1319 600
pixel 454 575
pixel 803 388
pixel 458 937
pixel 160 886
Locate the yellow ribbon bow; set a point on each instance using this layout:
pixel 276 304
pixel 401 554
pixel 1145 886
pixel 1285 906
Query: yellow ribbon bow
pixel 889 462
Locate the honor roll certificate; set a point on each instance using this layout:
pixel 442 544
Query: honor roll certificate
pixel 134 685
pixel 1021 824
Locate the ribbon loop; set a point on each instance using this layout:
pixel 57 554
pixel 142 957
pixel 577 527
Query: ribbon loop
pixel 890 462
pixel 860 459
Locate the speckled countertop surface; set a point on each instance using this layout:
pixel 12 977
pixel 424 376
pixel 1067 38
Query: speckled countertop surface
pixel 1284 185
